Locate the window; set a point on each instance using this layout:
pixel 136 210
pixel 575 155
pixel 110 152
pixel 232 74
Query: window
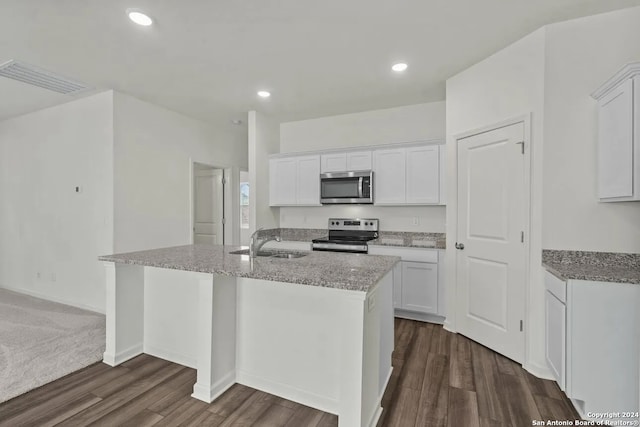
pixel 244 205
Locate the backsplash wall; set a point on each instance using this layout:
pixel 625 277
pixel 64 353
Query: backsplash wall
pixel 392 218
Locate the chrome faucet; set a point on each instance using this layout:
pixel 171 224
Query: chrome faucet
pixel 255 244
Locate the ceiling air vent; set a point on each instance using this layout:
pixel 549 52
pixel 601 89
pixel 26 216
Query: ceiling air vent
pixel 33 75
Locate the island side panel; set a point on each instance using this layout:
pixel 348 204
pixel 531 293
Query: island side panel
pixel 216 360
pixel 385 297
pixel 124 312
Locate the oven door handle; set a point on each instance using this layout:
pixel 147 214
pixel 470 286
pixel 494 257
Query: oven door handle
pixel 360 187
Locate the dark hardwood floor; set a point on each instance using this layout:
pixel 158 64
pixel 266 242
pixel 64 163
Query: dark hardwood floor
pixel 439 379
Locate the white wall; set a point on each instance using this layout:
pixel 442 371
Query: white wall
pixel 46 228
pixel 153 151
pixel 581 54
pixel 401 124
pixel 264 139
pixel 509 83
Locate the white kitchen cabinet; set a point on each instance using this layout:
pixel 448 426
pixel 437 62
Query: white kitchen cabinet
pixel 407 176
pixel 344 162
pixel 359 161
pixel 308 181
pixel 282 181
pixel 593 343
pixel 423 175
pixel 420 287
pixel 555 327
pixel 294 181
pixel 333 162
pixel 418 293
pixel 389 176
pixel 619 136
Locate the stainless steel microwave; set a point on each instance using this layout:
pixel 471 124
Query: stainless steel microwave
pixel 346 187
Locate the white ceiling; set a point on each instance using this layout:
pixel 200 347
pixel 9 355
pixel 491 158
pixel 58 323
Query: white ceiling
pixel 208 58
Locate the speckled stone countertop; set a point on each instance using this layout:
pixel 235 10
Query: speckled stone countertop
pixel 386 238
pixel 593 266
pixel 410 239
pixel 353 272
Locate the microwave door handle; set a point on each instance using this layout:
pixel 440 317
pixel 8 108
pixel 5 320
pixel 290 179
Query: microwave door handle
pixel 360 185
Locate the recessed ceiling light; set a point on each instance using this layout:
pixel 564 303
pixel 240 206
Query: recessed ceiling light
pixel 139 18
pixel 399 67
pixel 264 94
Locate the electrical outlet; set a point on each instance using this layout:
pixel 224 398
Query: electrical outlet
pixel 38 275
pixel 416 220
pixel 78 189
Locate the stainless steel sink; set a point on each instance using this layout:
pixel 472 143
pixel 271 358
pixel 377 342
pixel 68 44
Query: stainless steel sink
pixel 272 254
pixel 246 252
pixel 289 255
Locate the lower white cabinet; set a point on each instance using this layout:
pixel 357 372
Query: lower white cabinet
pixel 418 293
pixel 555 327
pixel 593 344
pixel 419 287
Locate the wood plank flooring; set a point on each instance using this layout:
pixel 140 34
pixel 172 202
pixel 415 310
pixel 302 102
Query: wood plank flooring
pixel 439 379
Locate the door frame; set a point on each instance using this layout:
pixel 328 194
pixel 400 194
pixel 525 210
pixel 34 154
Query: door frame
pixel 452 202
pixel 229 173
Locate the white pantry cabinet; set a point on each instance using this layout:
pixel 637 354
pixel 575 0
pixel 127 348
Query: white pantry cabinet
pixel 344 162
pixel 619 136
pixel 294 181
pixel 407 176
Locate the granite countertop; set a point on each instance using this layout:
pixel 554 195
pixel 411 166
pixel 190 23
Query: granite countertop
pixel 593 266
pixel 353 272
pixel 386 238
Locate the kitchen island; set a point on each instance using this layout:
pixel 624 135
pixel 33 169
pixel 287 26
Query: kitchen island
pixel 317 329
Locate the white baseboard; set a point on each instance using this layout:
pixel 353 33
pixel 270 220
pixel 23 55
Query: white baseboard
pixel 172 356
pixel 386 383
pixel 538 370
pixel 40 295
pixel 421 317
pixel 209 394
pixel 286 391
pixel 116 359
pixel 376 417
pixel 448 326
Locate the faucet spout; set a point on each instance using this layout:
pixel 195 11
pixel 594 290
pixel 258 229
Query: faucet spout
pixel 256 243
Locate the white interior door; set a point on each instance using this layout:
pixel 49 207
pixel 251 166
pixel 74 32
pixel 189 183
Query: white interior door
pixel 491 253
pixel 208 206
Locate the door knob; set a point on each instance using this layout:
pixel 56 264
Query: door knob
pixel 459 246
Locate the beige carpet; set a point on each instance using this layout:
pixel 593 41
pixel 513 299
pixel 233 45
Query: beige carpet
pixel 41 341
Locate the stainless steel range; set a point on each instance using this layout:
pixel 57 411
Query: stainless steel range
pixel 348 235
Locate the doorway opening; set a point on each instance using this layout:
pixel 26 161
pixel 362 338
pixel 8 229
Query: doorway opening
pixel 208 204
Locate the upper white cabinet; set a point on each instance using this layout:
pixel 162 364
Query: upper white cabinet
pixel 423 175
pixel 407 176
pixel 343 162
pixel 294 181
pixel 389 178
pixel 619 136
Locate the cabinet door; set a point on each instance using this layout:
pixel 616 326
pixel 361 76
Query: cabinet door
pixel 389 176
pixel 397 285
pixel 423 175
pixel 308 186
pixel 420 287
pixel 555 346
pixel 359 161
pixel 615 143
pixel 334 162
pixel 282 181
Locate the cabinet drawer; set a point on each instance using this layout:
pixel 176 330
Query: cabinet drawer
pixel 406 254
pixel 556 286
